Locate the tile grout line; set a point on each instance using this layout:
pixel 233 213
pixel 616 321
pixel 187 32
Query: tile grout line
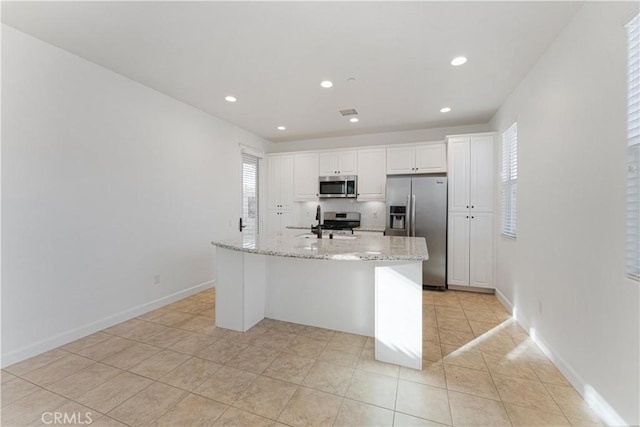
pixel 296 332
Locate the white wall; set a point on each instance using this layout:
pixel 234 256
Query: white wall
pixel 385 138
pixel 105 184
pixel 570 249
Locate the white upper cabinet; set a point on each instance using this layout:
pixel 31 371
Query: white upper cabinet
pixel 471 173
pixel 305 172
pixel 424 158
pixel 431 158
pixel 400 160
pixel 372 179
pixel 339 163
pixel 280 182
pixel 459 153
pixel 481 185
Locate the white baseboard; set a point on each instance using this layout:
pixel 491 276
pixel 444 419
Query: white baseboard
pixel 465 288
pixel 98 325
pixel 597 403
pixel 504 301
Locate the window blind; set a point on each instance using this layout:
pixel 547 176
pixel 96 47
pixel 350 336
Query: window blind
pixel 633 153
pixel 250 193
pixel 509 175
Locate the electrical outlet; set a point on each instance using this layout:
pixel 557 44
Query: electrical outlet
pixel 156 279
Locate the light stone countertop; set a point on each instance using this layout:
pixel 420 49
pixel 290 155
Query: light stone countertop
pixel 360 248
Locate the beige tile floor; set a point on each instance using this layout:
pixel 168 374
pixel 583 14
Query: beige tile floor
pixel 173 367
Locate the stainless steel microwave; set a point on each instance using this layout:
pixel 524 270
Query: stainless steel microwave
pixel 338 186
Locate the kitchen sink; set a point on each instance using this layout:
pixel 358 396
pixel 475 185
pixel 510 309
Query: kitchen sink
pixel 326 236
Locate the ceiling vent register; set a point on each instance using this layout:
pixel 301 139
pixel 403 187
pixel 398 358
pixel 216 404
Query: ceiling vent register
pixel 349 112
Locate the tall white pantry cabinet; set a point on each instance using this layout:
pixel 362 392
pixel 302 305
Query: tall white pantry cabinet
pixel 280 192
pixel 470 230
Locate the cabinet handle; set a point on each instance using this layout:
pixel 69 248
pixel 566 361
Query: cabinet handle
pixel 467 207
pixel 472 217
pixel 472 206
pixel 467 216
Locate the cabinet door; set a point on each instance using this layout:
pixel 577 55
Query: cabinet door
pixel 286 220
pixel 400 160
pixel 286 182
pixel 481 250
pixel 305 177
pixel 328 164
pixel 348 163
pixel 273 221
pixel 431 158
pixel 458 249
pixel 372 179
pixel 481 174
pixel 458 157
pixel 273 182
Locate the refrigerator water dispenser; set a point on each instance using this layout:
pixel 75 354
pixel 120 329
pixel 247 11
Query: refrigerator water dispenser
pixel 397 217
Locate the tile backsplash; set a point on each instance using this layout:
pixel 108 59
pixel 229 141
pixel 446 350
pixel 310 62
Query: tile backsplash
pixel 371 213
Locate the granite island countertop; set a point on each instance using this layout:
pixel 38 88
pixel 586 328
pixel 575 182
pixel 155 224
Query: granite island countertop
pixel 358 248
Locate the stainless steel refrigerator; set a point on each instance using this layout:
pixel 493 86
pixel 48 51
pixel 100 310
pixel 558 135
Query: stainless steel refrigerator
pixel 417 206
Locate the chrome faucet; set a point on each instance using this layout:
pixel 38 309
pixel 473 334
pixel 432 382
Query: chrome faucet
pixel 318 229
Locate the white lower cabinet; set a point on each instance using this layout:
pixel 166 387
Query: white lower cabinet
pixel 470 249
pixel 481 250
pixel 458 249
pixel 278 220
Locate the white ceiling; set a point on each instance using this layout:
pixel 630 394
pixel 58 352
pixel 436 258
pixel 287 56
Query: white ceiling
pixel 273 55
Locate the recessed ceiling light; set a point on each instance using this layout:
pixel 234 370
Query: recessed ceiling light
pixel 445 110
pixel 281 128
pixel 458 60
pixel 230 98
pixel 354 120
pixel 326 84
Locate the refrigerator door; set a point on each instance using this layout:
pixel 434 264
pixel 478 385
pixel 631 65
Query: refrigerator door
pixel 430 222
pixel 398 195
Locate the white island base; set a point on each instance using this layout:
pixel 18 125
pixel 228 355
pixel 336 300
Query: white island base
pixel 382 299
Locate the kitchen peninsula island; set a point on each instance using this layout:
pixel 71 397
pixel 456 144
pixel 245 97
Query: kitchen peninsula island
pixel 367 285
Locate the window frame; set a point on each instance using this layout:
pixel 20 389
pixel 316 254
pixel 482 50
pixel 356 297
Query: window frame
pixel 632 210
pixel 253 227
pixel 509 182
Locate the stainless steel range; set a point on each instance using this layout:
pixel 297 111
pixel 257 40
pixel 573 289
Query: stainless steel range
pixel 346 221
